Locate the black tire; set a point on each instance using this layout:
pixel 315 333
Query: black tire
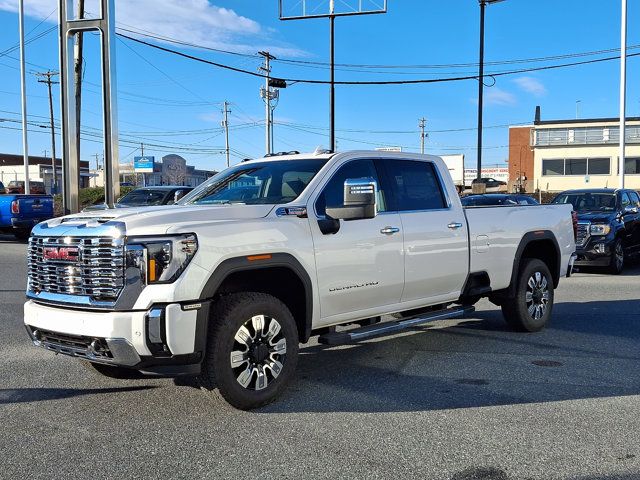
pixel 22 234
pixel 531 307
pixel 617 260
pixel 229 316
pixel 113 371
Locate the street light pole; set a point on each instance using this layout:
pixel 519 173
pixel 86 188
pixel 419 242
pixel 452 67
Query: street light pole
pixel 623 90
pixel 483 4
pixel 23 94
pixel 480 88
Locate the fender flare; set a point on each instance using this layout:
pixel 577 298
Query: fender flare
pixel 241 264
pixel 527 239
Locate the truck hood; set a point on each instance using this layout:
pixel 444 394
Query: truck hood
pixel 154 220
pixel 597 217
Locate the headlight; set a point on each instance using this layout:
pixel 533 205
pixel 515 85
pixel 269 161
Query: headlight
pixel 600 229
pixel 161 259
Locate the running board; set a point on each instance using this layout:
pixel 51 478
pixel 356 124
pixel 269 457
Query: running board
pixel 387 328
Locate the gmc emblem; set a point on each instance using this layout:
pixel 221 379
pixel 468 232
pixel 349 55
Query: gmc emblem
pixel 60 254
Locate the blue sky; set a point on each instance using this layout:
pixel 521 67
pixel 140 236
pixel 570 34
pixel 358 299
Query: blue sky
pixel 175 103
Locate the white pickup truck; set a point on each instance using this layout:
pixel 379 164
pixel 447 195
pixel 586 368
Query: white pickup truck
pixel 227 283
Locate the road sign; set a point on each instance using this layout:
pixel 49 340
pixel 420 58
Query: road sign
pixel 143 164
pixel 295 9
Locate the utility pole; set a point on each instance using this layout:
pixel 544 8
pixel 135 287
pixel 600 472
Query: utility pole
pixel 77 76
pixel 422 125
pixel 266 94
pixel 97 155
pixel 45 77
pixel 225 124
pixel 144 174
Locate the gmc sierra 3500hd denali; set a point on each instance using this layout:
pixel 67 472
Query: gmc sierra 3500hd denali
pixel 267 253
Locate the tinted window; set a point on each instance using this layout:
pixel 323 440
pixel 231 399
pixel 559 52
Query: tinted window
pixel 635 199
pixel 415 185
pixel 589 202
pixel 632 166
pixel 575 166
pixel 599 166
pixel 333 193
pixel 553 167
pixel 625 199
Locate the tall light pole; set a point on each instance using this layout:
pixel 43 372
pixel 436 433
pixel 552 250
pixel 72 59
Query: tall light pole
pixel 483 4
pixel 23 94
pixel 298 10
pixel 578 102
pixel 623 89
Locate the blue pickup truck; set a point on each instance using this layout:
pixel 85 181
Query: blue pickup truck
pixel 19 213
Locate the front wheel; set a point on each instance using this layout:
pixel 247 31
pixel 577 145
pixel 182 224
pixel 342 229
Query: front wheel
pixel 616 263
pixel 530 309
pixel 252 350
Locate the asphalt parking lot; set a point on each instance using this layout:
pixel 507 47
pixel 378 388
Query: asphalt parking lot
pixel 462 400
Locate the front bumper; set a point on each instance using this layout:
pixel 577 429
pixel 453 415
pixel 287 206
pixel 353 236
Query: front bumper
pixel 597 253
pixel 153 341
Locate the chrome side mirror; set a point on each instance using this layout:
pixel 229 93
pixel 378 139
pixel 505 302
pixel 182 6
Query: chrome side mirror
pixel 359 200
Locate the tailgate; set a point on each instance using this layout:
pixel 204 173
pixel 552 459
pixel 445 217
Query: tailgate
pixel 34 207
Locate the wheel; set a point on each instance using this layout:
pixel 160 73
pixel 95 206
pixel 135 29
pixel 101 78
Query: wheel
pixel 22 234
pixel 252 350
pixel 112 371
pixel 530 309
pixel 616 263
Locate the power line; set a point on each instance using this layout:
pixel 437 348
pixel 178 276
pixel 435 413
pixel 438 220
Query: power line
pixel 378 82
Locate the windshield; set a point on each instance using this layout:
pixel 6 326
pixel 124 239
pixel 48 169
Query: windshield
pixel 589 202
pixel 267 183
pixel 144 198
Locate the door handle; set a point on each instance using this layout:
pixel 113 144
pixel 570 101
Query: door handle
pixel 389 230
pixel 454 225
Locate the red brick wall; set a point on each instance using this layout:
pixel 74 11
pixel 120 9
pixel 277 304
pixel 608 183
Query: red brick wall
pixel 520 156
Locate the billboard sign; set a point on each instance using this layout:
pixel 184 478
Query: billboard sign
pixel 497 173
pixel 143 164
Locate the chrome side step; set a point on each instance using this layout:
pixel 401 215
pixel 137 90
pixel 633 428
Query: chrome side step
pixel 388 328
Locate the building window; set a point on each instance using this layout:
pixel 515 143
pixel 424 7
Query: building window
pixel 599 166
pixel 577 166
pixel 553 167
pixel 632 166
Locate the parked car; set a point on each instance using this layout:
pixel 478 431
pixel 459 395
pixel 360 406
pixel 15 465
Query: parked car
pixel 2 189
pixel 148 197
pixel 228 291
pixel 492 185
pixel 608 226
pixel 495 199
pixel 17 186
pixel 19 213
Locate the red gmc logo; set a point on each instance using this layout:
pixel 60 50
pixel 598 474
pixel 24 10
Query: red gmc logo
pixel 60 254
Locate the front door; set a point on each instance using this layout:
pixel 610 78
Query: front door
pixel 359 265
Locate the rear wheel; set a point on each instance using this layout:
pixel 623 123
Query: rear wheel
pixel 252 350
pixel 22 234
pixel 531 307
pixel 616 263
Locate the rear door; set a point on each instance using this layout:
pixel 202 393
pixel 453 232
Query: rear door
pixel 360 266
pixel 435 232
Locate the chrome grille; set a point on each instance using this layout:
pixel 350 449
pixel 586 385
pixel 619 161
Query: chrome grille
pixel 583 233
pixel 97 272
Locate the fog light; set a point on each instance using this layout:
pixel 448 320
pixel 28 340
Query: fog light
pixel 600 248
pixel 155 319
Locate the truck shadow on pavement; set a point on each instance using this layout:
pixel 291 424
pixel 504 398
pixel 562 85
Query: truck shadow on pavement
pixel 27 395
pixel 590 350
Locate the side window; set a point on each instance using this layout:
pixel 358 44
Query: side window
pixel 415 185
pixel 625 199
pixel 333 193
pixel 635 199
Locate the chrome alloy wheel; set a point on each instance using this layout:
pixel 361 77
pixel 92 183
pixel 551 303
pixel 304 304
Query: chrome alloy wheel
pixel 619 253
pixel 537 295
pixel 259 352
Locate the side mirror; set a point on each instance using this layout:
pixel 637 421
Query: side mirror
pixel 359 200
pixel 178 195
pixel 630 210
